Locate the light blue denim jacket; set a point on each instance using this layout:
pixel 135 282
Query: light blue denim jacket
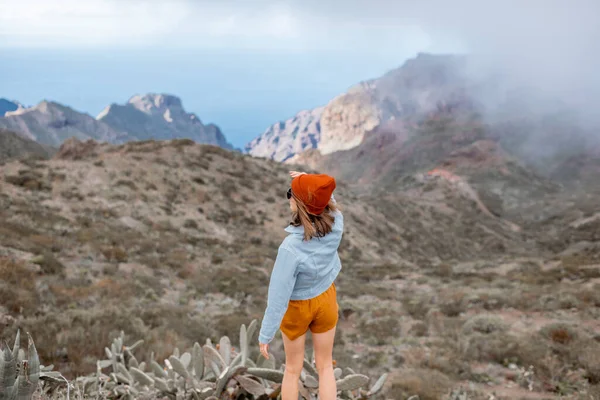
pixel 303 270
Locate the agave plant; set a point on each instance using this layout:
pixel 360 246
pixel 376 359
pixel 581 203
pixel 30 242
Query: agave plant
pixel 21 372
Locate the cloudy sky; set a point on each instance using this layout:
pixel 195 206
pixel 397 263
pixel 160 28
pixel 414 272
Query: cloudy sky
pixel 247 64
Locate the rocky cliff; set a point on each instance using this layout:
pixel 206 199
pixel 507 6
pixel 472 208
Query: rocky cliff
pixel 286 138
pixel 160 117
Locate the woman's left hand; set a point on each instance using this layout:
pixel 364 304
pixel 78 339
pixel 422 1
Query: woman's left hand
pixel 294 174
pixel 264 350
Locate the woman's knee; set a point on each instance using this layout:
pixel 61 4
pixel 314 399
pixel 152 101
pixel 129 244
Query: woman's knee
pixel 293 369
pixel 323 365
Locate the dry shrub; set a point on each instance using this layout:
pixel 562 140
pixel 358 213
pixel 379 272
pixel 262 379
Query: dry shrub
pixel 234 282
pixel 589 359
pixel 377 272
pixel 484 323
pixel 590 297
pixel 559 332
pixel 17 287
pixel 496 347
pixel 425 383
pixel 49 264
pixel 114 253
pixel 45 242
pixel 417 306
pixel 72 292
pixel 452 304
pixel 531 273
pixel 419 329
pixel 380 331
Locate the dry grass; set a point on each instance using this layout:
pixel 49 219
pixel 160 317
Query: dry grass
pixel 424 383
pixel 17 287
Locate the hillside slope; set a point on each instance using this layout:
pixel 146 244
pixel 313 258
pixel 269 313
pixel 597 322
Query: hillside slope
pixel 14 146
pixel 157 230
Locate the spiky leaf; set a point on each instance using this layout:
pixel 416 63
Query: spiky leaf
pixel 133 362
pixel 243 344
pixel 311 382
pixel 226 376
pixel 310 369
pixel 141 377
pixel 337 373
pixel 262 362
pixel 211 354
pixel 186 360
pixel 34 362
pixel 236 361
pixel 51 376
pixel 135 345
pixel 8 371
pixel 122 369
pixel 101 364
pixel 268 374
pixel 304 392
pixel 17 346
pixel 225 349
pixel 178 367
pixel 377 386
pixel 157 369
pixel 251 330
pixel 352 382
pixel 161 385
pixel 198 360
pixel 123 378
pixel 250 385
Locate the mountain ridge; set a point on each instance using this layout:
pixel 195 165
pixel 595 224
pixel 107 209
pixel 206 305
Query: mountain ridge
pixel 160 117
pixel 149 116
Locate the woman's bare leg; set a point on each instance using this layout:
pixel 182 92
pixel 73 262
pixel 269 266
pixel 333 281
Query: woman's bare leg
pixel 294 361
pixel 323 345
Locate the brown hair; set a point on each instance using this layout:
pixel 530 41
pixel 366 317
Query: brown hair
pixel 314 225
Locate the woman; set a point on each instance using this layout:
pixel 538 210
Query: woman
pixel 302 293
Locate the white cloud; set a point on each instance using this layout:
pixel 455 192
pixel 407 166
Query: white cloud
pixel 89 22
pixel 60 23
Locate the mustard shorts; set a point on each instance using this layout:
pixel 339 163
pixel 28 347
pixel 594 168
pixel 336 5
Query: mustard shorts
pixel 319 314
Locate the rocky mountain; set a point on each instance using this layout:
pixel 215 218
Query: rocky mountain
pixel 13 145
pixel 152 116
pixel 539 131
pixel 7 106
pixel 50 123
pixel 286 138
pixel 420 86
pixel 160 117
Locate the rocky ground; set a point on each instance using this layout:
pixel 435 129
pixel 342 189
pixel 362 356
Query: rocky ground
pixel 447 284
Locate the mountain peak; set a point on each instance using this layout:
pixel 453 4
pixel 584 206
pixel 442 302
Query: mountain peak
pixel 153 101
pixel 154 116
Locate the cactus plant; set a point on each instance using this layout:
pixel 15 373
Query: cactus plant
pixel 210 372
pixel 205 373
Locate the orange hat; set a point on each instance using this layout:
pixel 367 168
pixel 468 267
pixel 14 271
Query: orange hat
pixel 314 190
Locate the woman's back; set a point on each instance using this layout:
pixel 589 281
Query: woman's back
pixel 318 259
